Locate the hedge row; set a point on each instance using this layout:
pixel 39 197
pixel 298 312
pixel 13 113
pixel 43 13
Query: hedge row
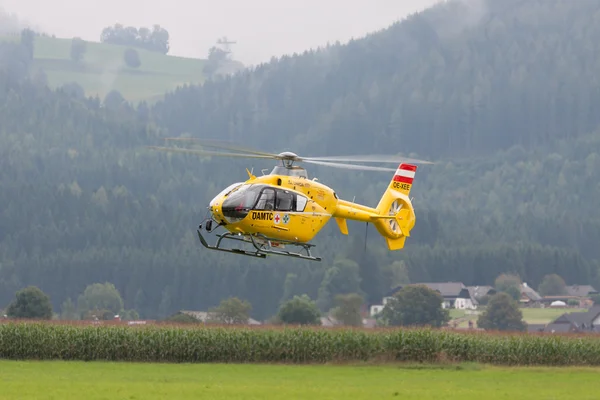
pixel 288 345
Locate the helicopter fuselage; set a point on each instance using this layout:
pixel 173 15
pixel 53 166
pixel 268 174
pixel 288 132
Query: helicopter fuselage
pixel 285 207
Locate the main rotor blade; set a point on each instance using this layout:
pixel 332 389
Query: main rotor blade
pixel 375 158
pixel 221 144
pixel 348 166
pixel 209 153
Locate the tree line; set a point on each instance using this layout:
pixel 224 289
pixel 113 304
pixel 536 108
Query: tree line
pixel 155 39
pixel 412 306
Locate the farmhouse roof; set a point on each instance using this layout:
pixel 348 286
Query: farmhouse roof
pixel 446 289
pixel 480 291
pixel 564 327
pixel 580 290
pixel 576 320
pixel 530 293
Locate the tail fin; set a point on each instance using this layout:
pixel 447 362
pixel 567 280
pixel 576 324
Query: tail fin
pixel 403 179
pixel 396 208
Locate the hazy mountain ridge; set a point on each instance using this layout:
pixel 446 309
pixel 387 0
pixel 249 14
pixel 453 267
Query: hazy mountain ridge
pixel 407 88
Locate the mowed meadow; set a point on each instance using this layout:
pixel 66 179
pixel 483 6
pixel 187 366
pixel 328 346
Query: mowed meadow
pixel 102 380
pixel 531 316
pixel 103 69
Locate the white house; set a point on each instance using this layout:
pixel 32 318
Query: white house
pixel 455 294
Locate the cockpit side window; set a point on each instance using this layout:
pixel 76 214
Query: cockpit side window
pixel 285 200
pixel 266 200
pixel 300 203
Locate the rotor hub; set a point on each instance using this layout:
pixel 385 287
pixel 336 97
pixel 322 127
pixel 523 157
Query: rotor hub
pixel 288 158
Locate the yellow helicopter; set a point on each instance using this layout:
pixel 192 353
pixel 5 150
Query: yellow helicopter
pixel 285 207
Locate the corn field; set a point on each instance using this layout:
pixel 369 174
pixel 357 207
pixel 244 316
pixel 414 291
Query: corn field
pixel 193 344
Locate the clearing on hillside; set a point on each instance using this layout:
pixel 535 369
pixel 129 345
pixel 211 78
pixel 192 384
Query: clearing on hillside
pixel 103 69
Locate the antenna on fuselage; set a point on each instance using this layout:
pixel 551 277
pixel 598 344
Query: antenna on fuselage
pixel 366 232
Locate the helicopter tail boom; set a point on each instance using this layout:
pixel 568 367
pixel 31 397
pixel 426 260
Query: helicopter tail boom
pixel 356 212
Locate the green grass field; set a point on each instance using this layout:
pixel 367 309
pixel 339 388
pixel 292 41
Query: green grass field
pixel 103 69
pixel 546 315
pixel 98 380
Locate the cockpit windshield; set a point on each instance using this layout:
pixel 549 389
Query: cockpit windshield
pixel 225 191
pixel 240 201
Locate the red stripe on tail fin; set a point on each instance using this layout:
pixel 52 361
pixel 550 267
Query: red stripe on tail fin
pixel 403 179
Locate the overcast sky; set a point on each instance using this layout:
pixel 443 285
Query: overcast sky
pixel 262 28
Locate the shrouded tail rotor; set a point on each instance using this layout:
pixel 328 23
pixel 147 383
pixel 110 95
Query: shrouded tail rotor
pixel 394 209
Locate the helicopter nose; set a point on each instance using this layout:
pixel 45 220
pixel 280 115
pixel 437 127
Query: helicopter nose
pixel 212 203
pixel 213 206
pixel 215 209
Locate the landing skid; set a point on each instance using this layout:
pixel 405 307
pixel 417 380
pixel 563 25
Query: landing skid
pixel 261 249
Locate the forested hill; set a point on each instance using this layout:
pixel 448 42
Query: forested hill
pixel 503 94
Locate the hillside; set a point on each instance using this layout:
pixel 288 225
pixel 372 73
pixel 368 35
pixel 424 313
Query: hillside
pixel 103 69
pixel 502 97
pixel 462 79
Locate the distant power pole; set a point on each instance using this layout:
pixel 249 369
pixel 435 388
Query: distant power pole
pixel 225 44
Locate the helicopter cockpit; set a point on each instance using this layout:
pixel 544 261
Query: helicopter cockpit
pixel 260 197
